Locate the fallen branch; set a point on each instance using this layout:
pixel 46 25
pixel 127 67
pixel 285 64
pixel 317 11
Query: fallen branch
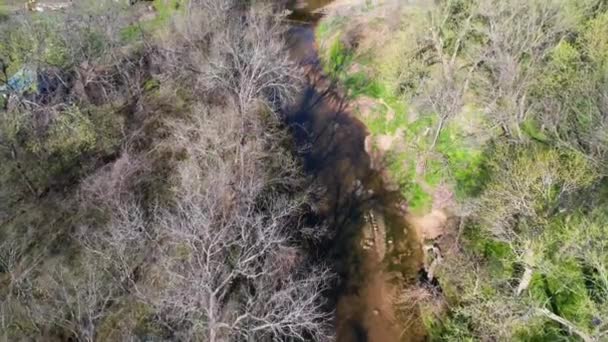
pixel 526 278
pixel 566 323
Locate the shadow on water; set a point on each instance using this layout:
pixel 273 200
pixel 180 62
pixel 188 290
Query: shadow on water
pixel 333 146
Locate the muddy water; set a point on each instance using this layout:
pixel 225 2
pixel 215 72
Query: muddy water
pixel 373 247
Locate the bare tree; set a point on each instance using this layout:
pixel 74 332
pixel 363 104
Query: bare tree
pixel 76 302
pixel 520 34
pixel 244 56
pixel 233 271
pixel 447 95
pixel 17 267
pixel 223 247
pixel 121 244
pixel 114 184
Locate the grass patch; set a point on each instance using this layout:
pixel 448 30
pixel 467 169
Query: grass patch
pixel 329 27
pixel 532 130
pixel 380 123
pixel 339 58
pixel 164 12
pixel 402 168
pixel 131 33
pixel 465 163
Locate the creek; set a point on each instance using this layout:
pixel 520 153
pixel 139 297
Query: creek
pixel 374 249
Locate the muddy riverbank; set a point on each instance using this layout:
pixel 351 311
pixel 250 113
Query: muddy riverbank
pixel 375 251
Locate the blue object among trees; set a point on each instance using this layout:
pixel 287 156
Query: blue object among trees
pixel 22 81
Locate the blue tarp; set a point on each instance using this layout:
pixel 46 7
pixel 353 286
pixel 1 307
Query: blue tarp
pixel 22 81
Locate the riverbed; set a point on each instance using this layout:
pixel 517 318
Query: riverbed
pixel 374 250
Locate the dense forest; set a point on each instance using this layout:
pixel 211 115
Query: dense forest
pixel 153 186
pixel 148 186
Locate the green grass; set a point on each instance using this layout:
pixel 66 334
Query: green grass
pixel 164 12
pixel 338 60
pixel 329 27
pixel 131 33
pixel 465 162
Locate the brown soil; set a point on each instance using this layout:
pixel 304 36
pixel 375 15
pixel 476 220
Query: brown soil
pixel 370 312
pixel 430 226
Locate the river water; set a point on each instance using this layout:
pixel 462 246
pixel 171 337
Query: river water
pixel 373 246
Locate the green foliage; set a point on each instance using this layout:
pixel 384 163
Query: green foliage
pixel 360 84
pixel 455 328
pixel 165 10
pixel 3 12
pixel 71 133
pixel 327 28
pixel 152 85
pixel 419 201
pixel 571 277
pixel 339 59
pixel 534 193
pixel 456 13
pixel 131 33
pixel 563 71
pixel 46 41
pixel 465 162
pixel 529 181
pixel 596 41
pixel 546 332
pixel 39 42
pixel 534 130
pixel 67 146
pixel 537 179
